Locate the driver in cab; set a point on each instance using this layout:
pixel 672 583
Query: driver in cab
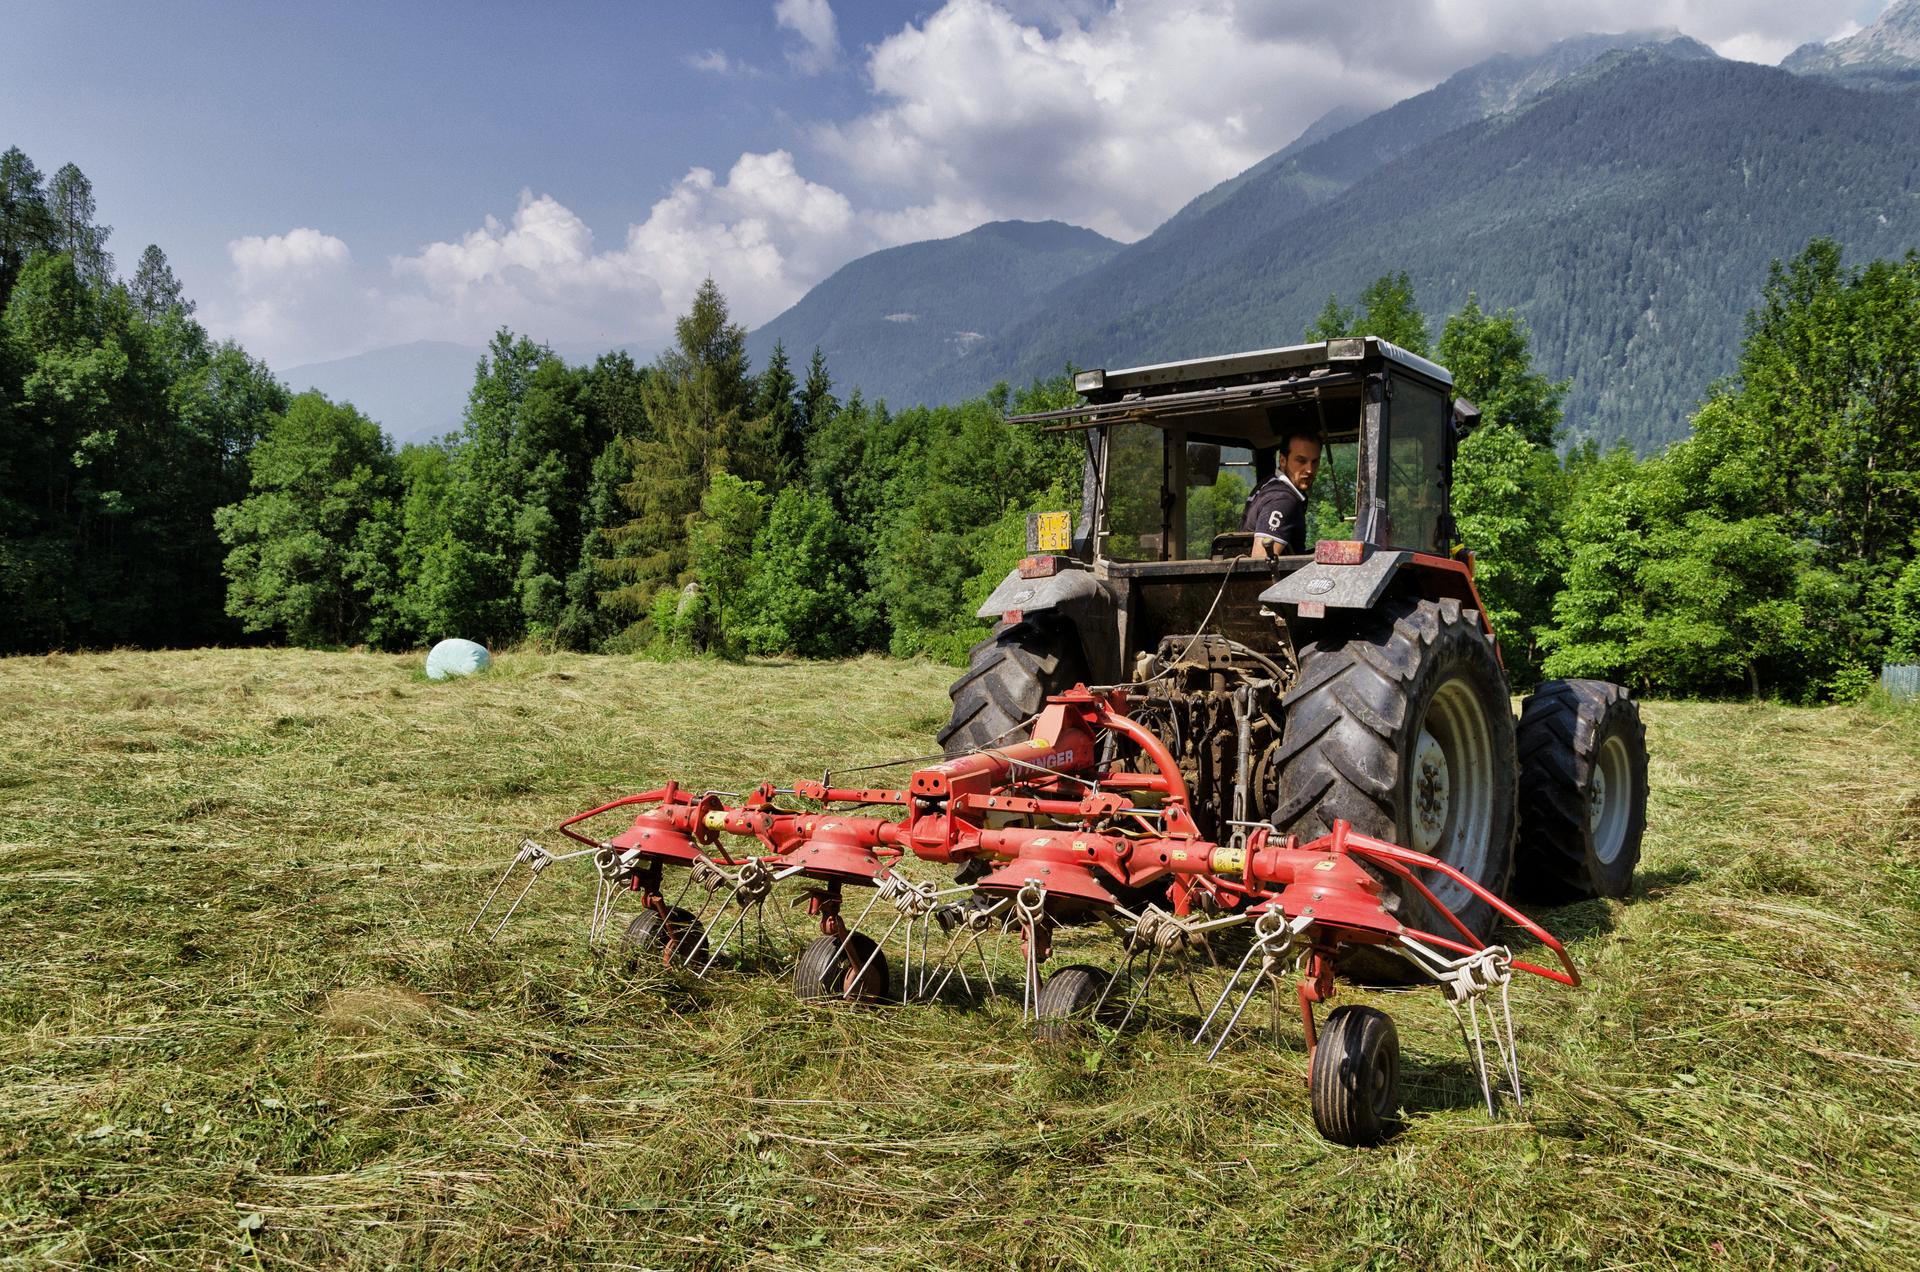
pixel 1277 510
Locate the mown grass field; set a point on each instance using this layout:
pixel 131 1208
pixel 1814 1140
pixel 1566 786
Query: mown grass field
pixel 239 1025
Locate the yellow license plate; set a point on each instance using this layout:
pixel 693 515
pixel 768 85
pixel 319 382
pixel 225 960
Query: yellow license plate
pixel 1052 532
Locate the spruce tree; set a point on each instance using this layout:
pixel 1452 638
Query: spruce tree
pixel 699 406
pixel 774 402
pixel 817 403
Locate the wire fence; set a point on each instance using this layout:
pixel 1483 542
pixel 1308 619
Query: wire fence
pixel 1901 681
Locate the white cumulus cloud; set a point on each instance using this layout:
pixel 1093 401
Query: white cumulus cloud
pixel 813 22
pixel 266 261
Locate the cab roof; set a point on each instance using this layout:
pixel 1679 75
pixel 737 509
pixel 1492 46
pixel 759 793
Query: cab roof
pixel 1100 387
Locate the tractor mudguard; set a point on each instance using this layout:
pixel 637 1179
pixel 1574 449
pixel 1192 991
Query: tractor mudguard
pixel 1069 590
pixel 1342 586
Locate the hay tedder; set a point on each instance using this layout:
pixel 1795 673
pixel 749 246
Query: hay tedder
pixel 1290 763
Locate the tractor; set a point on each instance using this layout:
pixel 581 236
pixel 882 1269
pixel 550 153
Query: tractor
pixel 1201 748
pixel 1359 680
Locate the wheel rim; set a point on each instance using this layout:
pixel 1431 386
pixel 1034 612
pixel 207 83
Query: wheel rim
pixel 1450 800
pixel 1381 1078
pixel 1432 793
pixel 1609 801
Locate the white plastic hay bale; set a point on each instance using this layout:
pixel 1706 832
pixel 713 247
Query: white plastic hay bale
pixel 456 657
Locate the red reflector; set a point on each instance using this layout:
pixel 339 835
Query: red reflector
pixel 1339 552
pixel 1013 616
pixel 1038 567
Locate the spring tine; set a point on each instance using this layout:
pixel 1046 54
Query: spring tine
pixel 906 964
pixel 959 934
pixel 1029 991
pixel 713 949
pixel 854 981
pixel 926 940
pixel 1227 1030
pixel 1125 972
pixel 484 905
pixel 510 909
pixel 682 894
pixel 1193 990
pixel 1512 1055
pixel 1479 1055
pixel 1146 983
pixel 1225 994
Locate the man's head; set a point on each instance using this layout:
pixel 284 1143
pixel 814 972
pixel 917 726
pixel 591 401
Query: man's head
pixel 1300 459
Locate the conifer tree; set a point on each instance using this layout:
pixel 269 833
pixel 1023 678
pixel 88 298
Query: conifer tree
pixel 775 403
pixel 699 406
pixel 817 403
pixel 155 291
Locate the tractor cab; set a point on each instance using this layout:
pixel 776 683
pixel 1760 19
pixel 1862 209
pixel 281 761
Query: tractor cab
pixel 1174 451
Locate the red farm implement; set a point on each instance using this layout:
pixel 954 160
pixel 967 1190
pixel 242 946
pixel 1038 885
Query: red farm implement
pixel 1084 823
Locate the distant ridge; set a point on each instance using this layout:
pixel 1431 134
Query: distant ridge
pixel 1624 193
pixel 1628 213
pixel 417 392
pixel 899 311
pixel 1885 55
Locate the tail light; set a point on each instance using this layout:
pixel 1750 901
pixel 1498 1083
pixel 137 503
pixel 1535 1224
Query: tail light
pixel 1339 552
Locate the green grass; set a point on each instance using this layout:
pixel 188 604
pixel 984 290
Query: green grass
pixel 239 1025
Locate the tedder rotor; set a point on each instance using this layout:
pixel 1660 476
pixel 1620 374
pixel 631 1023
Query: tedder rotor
pixel 1085 821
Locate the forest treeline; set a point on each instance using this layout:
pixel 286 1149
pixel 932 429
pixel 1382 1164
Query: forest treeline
pixel 158 487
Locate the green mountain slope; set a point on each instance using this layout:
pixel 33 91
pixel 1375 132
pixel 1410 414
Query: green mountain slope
pixel 1628 213
pixel 928 304
pixel 1336 151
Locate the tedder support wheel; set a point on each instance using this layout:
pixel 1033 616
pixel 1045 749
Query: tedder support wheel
pixel 850 967
pixel 1355 1083
pixel 679 934
pixel 1066 1000
pixel 1009 675
pixel 1403 728
pixel 1583 791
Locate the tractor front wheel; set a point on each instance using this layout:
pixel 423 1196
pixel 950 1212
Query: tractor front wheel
pixel 1583 791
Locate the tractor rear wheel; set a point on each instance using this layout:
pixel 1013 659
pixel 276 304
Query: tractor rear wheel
pixel 1067 1000
pixel 1009 675
pixel 678 936
pixel 1355 1081
pixel 850 966
pixel 1583 791
pixel 1403 729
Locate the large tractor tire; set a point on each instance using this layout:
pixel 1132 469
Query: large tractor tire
pixel 1583 792
pixel 1009 675
pixel 1403 728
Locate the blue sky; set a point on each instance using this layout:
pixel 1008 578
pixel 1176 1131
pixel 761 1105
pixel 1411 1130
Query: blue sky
pixel 331 178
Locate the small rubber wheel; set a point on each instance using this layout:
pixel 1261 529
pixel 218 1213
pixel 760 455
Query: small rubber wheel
pixel 1067 1000
pixel 829 968
pixel 1356 1077
pixel 679 936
